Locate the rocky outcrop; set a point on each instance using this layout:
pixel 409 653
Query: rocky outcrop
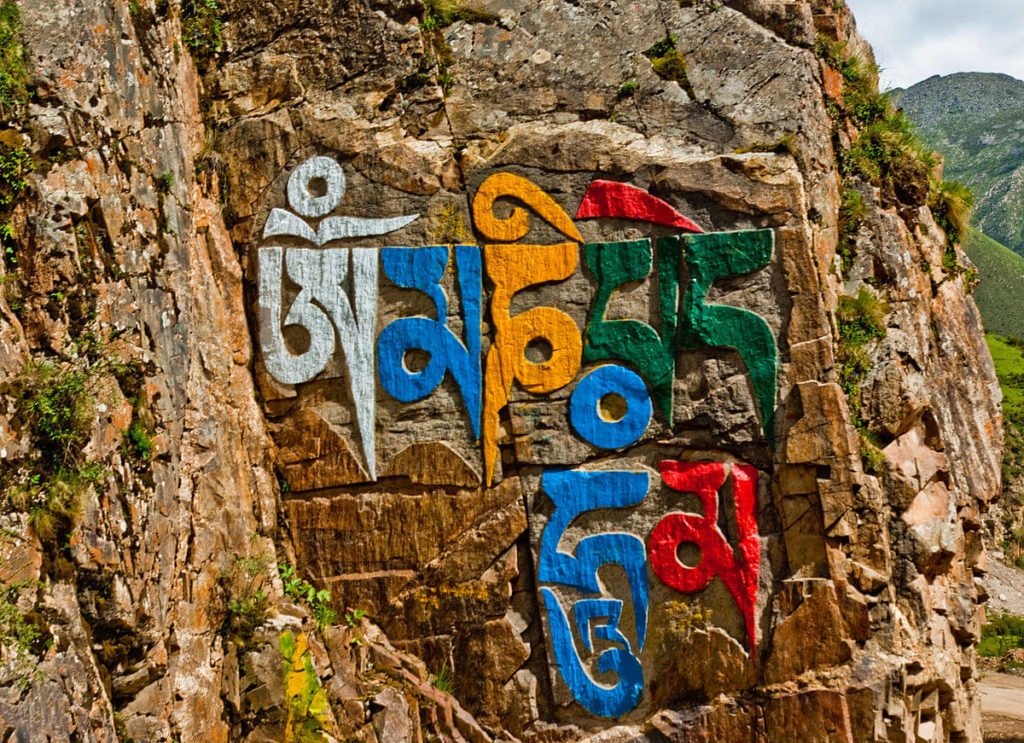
pixel 844 607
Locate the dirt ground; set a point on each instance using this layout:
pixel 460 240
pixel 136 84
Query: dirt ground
pixel 1002 708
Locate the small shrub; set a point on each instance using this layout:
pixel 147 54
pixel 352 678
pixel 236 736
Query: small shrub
pixel 54 501
pixel 319 602
pixel 13 77
pixel 871 457
pixel 22 640
pixel 851 216
pixel 201 26
pixel 57 402
pixel 247 602
pixel 952 205
pixel 861 321
pixel 1001 633
pixel 138 442
pixel 15 164
pixel 628 89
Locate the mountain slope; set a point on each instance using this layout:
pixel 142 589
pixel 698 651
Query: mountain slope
pixel 1002 276
pixel 977 121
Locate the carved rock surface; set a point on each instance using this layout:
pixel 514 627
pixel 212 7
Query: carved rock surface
pixel 844 607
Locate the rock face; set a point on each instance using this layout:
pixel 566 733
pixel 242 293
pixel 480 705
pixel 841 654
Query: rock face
pixel 583 457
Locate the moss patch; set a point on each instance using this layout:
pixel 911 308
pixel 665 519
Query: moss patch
pixel 668 62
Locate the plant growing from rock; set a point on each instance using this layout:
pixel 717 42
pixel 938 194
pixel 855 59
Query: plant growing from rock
pixel 318 601
pixel 56 400
pixel 248 602
pixel 861 322
pixel 138 442
pixel 165 182
pixel 13 76
pixel 668 63
pixel 15 164
pixel 22 640
pixel 443 680
pixel 201 26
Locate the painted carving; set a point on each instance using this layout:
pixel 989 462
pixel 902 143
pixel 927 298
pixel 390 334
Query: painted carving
pixel 322 305
pixel 573 493
pixel 318 301
pixel 593 424
pixel 738 570
pixel 633 341
pixel 611 199
pixel 303 200
pixel 513 268
pixel 422 269
pixel 718 255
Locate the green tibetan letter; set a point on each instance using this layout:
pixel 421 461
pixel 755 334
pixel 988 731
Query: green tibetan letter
pixel 637 343
pixel 717 255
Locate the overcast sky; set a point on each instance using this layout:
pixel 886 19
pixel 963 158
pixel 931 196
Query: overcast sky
pixel 915 39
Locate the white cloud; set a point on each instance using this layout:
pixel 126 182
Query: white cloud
pixel 915 39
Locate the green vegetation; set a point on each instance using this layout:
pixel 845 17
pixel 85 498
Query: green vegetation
pixel 13 77
pixel 443 680
pixel 952 204
pixel 138 442
pixel 668 62
pixel 1002 276
pixel 861 321
pixel 15 164
pixel 888 153
pixel 165 182
pixel 22 640
pixel 319 602
pixel 438 14
pixel 1009 363
pixel 628 89
pixel 1000 634
pixel 57 403
pixel 201 26
pixel 851 216
pixel 247 602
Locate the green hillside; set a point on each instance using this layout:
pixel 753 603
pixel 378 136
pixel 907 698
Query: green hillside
pixel 976 120
pixel 1009 361
pixel 1001 290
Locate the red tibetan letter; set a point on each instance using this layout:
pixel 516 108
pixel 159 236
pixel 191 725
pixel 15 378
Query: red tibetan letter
pixel 737 570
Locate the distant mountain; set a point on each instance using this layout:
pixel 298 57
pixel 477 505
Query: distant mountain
pixel 1002 280
pixel 976 120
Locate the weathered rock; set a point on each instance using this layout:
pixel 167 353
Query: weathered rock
pixel 142 225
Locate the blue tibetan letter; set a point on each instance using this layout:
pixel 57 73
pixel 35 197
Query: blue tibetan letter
pixel 422 269
pixel 573 493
